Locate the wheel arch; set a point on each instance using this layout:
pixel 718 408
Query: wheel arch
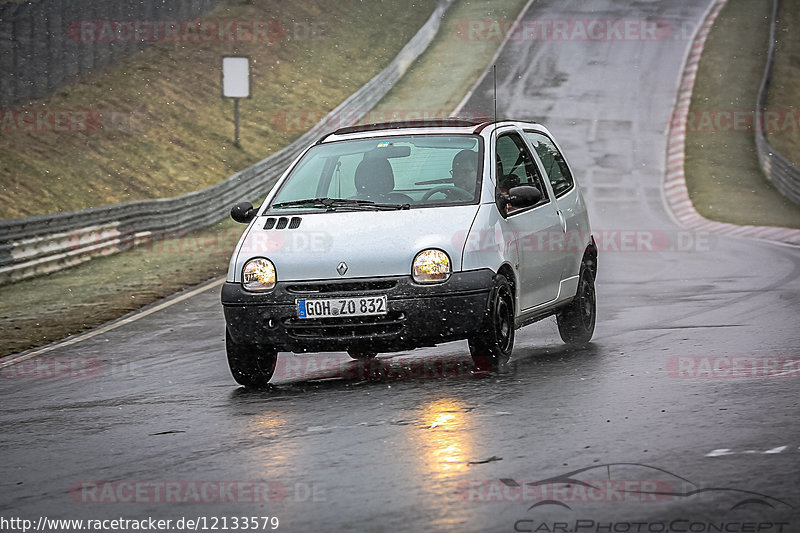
pixel 507 271
pixel 590 257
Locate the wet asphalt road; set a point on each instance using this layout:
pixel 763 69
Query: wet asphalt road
pixel 396 446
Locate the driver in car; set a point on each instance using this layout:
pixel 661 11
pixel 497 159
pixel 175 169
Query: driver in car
pixel 465 170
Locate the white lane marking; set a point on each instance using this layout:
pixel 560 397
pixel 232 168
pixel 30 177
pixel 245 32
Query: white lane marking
pixel 493 61
pixel 792 371
pixel 720 452
pixel 10 360
pixel 779 449
pixel 727 451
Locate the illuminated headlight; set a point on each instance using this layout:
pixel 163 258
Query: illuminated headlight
pixel 258 275
pixel 431 266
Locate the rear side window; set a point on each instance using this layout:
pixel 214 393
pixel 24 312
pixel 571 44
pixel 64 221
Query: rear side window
pixel 554 164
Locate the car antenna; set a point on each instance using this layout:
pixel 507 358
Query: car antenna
pixel 494 93
pixel 494 82
pixel 494 126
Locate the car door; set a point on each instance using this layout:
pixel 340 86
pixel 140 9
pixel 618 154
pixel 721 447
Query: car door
pixel 537 231
pixel 567 197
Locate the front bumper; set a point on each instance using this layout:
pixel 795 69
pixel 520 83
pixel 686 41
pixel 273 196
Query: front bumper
pixel 418 315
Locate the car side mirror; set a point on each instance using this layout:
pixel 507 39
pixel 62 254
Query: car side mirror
pixel 243 212
pixel 520 197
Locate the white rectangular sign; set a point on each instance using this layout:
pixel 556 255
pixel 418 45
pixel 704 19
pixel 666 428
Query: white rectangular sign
pixel 236 77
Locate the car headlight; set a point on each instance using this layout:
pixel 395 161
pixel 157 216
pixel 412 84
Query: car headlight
pixel 431 266
pixel 258 275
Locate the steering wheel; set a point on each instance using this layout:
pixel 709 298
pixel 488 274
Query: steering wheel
pixel 457 192
pixel 392 197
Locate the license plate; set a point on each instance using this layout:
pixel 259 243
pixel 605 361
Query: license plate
pixel 336 307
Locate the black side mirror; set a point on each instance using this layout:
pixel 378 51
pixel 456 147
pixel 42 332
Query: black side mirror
pixel 520 197
pixel 243 212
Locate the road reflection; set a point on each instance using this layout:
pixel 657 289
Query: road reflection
pixel 447 439
pixel 421 424
pixel 447 444
pixel 261 420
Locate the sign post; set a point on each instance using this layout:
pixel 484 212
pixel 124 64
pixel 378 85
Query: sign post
pixel 236 85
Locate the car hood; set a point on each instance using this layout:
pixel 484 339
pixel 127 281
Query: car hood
pixel 372 243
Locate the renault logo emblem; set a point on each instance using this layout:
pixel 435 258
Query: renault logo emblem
pixel 342 268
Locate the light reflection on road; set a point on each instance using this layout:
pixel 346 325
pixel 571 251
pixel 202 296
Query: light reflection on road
pixel 447 442
pixel 446 437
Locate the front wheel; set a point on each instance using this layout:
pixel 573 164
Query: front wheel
pixel 576 321
pixel 492 345
pixel 252 365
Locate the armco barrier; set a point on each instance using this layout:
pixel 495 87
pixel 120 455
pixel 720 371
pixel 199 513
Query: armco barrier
pixel 39 52
pixel 784 175
pixel 45 243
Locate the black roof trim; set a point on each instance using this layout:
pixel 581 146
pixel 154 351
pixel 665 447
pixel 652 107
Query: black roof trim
pixel 478 125
pixel 403 124
pixel 497 122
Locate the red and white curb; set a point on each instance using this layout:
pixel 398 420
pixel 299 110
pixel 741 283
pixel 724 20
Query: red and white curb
pixel 676 195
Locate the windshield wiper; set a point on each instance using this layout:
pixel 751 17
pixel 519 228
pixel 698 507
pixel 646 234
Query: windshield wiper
pixel 331 204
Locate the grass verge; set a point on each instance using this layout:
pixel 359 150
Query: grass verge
pixel 165 128
pixel 450 66
pixel 41 310
pixel 784 94
pixel 723 176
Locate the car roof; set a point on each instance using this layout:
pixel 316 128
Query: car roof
pixel 417 127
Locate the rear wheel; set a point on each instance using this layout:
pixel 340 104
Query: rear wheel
pixel 576 321
pixel 492 345
pixel 252 365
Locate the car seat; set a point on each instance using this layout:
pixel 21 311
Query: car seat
pixel 374 180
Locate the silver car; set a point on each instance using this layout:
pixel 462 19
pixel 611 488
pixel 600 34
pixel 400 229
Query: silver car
pixel 389 237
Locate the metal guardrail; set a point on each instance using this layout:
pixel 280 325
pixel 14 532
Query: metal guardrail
pixel 783 174
pixel 45 243
pixel 42 48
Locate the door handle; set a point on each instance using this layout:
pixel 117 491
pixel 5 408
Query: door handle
pixel 562 220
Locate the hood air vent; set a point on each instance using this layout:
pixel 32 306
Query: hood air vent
pixel 282 223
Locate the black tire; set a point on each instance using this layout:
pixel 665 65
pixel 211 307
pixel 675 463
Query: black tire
pixel 361 355
pixel 576 321
pixel 491 347
pixel 252 365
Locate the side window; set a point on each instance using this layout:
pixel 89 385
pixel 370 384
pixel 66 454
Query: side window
pixel 554 164
pixel 515 165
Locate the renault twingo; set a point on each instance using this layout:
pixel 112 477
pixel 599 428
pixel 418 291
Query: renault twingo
pixel 389 237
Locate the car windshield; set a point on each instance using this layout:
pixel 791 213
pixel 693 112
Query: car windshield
pixel 383 173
